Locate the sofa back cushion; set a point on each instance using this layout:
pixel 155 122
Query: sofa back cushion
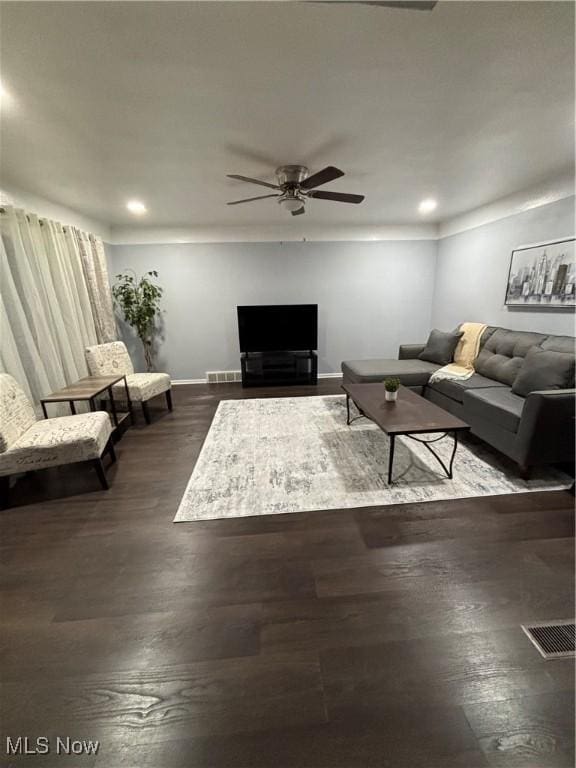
pixel 110 359
pixel 544 369
pixel 503 352
pixel 16 412
pixel 559 344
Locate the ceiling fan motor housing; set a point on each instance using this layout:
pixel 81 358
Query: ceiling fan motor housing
pixel 290 176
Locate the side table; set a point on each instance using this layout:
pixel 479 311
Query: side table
pixel 88 389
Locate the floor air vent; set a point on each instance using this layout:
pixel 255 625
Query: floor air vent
pixel 554 639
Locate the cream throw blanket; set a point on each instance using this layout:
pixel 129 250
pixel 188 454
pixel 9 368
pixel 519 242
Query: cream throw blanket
pixel 464 356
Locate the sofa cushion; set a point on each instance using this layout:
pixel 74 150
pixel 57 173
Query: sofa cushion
pixel 503 352
pixel 440 346
pixel 412 373
pixel 544 369
pixel 498 405
pixel 559 344
pixel 142 386
pixel 62 440
pixel 455 389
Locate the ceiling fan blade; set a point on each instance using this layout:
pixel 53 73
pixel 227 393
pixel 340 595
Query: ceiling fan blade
pixel 299 212
pixel 322 177
pixel 338 197
pixel 410 5
pixel 250 199
pixel 252 181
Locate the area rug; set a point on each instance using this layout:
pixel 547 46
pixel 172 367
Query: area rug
pixel 296 454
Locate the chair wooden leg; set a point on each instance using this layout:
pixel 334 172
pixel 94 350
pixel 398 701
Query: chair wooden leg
pixel 146 412
pixel 525 472
pixel 169 399
pixel 4 491
pixel 111 451
pixel 99 467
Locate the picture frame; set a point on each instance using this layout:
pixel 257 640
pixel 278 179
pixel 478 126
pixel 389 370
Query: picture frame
pixel 543 275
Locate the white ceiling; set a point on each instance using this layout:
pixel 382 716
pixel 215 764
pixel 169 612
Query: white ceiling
pixel 158 101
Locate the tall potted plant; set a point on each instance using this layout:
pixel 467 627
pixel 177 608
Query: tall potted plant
pixel 139 300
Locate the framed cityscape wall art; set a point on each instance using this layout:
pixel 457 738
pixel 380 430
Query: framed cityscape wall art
pixel 543 275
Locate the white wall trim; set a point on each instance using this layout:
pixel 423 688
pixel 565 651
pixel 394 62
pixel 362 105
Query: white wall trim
pixel 290 232
pixel 178 382
pixel 548 192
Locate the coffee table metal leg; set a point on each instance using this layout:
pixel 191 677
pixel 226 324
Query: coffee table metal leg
pixel 427 445
pixel 391 459
pixel 455 436
pixel 361 415
pixel 72 408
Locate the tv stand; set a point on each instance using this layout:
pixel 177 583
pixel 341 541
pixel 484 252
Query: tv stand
pixel 264 369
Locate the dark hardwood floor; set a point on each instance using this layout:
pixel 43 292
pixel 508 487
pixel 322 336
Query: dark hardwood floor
pixel 385 637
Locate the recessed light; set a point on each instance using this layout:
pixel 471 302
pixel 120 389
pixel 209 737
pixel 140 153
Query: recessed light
pixel 427 206
pixel 5 97
pixel 136 207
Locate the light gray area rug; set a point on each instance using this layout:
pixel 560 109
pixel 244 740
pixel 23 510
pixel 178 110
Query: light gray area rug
pixel 295 454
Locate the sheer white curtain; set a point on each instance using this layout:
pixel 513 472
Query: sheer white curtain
pixel 93 259
pixel 54 301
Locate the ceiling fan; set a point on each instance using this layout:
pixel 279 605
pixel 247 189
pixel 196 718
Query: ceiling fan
pixel 295 185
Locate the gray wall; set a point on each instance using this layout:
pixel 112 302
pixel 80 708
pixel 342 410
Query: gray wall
pixel 372 296
pixel 472 271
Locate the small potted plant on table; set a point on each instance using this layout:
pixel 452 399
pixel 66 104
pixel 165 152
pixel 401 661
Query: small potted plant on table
pixel 391 385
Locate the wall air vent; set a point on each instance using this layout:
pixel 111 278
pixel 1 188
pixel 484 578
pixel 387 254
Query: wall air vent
pixel 223 377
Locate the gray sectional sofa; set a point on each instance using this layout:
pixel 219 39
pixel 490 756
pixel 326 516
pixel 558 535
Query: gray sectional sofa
pixel 531 430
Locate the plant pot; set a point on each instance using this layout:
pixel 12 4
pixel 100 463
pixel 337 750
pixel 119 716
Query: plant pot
pixel 391 397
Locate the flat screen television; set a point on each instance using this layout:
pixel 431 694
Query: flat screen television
pixel 278 327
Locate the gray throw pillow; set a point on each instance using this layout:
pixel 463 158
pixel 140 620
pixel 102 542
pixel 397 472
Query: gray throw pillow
pixel 440 346
pixel 544 369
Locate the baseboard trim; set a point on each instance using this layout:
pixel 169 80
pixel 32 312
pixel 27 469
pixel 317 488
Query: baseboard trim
pixel 178 382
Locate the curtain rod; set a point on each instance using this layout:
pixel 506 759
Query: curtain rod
pixel 40 221
pixel 65 227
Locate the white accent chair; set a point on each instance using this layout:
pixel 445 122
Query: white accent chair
pixel 113 359
pixel 27 443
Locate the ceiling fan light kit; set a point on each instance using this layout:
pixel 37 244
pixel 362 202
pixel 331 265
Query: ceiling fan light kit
pixel 295 185
pixel 291 203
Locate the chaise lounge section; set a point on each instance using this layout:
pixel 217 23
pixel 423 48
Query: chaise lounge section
pixel 532 428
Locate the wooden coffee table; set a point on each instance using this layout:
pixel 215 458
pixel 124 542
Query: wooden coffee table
pixel 410 415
